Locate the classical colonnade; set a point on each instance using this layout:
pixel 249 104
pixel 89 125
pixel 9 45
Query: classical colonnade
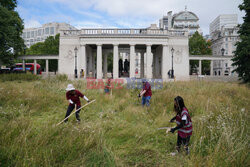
pixel 152 67
pixel 38 57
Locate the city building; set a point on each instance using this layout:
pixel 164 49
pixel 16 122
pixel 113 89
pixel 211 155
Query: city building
pixel 225 20
pixel 152 52
pixel 184 20
pixel 32 36
pixel 224 35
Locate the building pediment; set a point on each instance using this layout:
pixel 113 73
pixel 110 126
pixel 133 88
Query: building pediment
pixel 186 16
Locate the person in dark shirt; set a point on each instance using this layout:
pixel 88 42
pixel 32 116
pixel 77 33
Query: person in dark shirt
pixel 146 93
pixel 73 96
pixel 126 65
pixel 184 124
pixel 120 67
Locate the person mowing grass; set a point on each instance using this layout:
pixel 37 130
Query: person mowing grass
pixel 72 95
pixel 184 124
pixel 146 93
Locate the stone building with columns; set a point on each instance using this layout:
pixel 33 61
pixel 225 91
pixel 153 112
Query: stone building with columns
pixel 87 50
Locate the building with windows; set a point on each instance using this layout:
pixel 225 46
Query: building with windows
pixel 32 36
pixel 225 20
pixel 184 20
pixel 224 35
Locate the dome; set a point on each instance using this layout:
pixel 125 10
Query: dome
pixel 185 15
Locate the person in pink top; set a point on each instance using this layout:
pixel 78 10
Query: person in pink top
pixel 184 124
pixel 73 96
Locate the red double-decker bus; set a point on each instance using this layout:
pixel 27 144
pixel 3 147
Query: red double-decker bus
pixel 28 67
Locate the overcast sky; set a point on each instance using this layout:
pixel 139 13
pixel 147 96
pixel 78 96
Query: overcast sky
pixel 121 13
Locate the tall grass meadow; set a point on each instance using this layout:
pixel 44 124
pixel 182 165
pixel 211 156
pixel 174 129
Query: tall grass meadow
pixel 116 130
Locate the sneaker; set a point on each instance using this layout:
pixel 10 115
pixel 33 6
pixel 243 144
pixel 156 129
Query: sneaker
pixel 173 153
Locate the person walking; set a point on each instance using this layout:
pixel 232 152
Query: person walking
pixel 73 96
pixel 146 93
pixel 184 124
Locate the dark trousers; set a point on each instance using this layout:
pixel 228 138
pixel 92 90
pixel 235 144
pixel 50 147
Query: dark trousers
pixel 70 109
pixel 184 142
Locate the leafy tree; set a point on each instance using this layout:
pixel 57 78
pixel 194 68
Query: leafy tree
pixel 242 52
pixel 199 46
pixel 49 47
pixel 11 26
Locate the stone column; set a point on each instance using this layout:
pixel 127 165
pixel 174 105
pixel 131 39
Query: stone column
pixel 157 66
pixel 200 67
pixel 47 67
pixel 211 68
pixel 35 69
pixel 94 64
pixel 222 67
pixel 90 65
pixel 83 60
pixel 99 61
pixel 149 62
pixel 105 65
pixel 115 61
pixel 142 65
pixel 23 65
pixel 165 62
pixel 132 61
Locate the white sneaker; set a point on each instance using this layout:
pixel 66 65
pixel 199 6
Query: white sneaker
pixel 173 153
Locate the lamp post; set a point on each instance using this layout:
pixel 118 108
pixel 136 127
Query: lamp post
pixel 75 61
pixel 24 52
pixel 172 71
pixel 222 51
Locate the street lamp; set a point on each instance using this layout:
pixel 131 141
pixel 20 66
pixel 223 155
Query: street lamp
pixel 222 51
pixel 24 53
pixel 172 71
pixel 75 61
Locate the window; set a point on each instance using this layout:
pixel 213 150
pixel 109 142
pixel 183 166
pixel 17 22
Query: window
pixel 225 64
pixel 39 32
pixel 52 31
pixel 226 39
pixel 47 30
pixel 24 35
pixel 28 34
pixel 32 34
pixel 35 33
pixel 136 62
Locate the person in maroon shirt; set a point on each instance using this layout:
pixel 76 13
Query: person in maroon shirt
pixel 146 93
pixel 72 95
pixel 184 124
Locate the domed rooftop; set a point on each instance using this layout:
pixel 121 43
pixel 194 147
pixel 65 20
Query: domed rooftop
pixel 185 15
